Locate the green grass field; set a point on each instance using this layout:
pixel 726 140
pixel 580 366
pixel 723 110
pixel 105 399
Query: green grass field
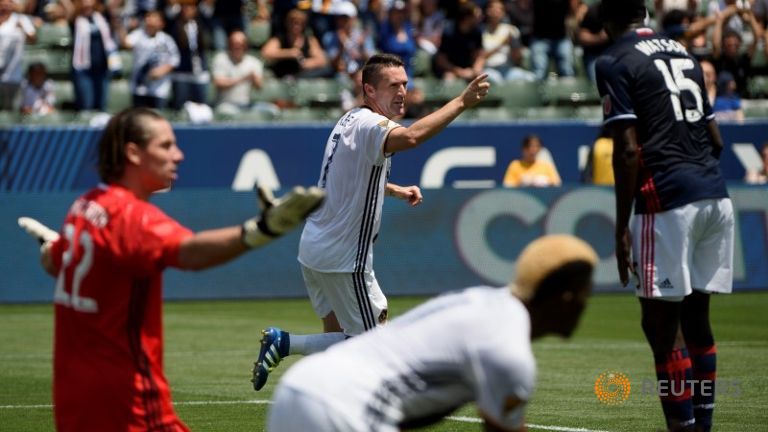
pixel 210 347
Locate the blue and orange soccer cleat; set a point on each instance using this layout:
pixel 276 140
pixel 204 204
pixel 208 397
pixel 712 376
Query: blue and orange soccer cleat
pixel 274 346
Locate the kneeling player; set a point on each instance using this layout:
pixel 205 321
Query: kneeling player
pixel 473 345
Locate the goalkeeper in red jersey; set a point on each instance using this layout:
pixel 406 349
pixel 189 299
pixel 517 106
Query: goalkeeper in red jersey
pixel 108 260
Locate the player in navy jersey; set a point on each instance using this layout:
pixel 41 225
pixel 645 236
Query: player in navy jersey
pixel 665 160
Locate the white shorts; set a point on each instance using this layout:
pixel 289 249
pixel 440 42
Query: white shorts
pixel 684 249
pixel 355 298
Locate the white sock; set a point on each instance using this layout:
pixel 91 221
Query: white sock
pixel 313 343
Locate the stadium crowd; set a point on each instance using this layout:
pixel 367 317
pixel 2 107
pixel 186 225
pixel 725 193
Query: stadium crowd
pixel 217 58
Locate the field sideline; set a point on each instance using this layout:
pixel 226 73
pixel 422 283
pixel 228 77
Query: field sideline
pixel 210 347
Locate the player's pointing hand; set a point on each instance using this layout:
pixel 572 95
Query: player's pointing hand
pixel 476 91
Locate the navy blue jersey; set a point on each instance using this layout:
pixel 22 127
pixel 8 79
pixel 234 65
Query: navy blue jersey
pixel 653 81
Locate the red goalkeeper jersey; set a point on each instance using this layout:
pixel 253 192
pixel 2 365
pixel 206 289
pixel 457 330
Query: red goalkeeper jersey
pixel 108 345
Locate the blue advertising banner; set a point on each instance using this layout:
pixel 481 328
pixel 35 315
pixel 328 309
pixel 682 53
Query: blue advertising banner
pixel 457 238
pixel 466 155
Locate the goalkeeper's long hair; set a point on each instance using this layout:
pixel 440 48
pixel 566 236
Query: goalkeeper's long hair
pixel 129 125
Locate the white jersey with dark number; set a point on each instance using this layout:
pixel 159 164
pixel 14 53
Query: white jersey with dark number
pixel 339 236
pixel 473 345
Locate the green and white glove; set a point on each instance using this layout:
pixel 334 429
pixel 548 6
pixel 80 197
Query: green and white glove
pixel 280 215
pixel 37 230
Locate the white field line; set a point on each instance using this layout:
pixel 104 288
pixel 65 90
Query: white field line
pixel 267 402
pixel 528 425
pixel 590 345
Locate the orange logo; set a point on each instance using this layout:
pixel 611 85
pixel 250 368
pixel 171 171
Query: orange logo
pixel 612 388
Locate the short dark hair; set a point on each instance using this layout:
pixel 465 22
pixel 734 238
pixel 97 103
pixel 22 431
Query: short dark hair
pixel 622 13
pixel 377 62
pixel 129 125
pixel 528 139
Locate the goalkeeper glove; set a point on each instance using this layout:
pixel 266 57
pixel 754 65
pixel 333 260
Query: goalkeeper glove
pixel 38 231
pixel 280 215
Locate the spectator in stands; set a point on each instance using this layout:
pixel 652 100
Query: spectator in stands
pixel 461 54
pixel 710 80
pixel 15 31
pixel 396 35
pixel 550 39
pixel 93 49
pixel 726 47
pixel 235 74
pixel 430 25
pixel 684 27
pixel 520 14
pixel 727 104
pixel 349 46
pixel 599 166
pixel 296 53
pixel 662 7
pixel 592 38
pixel 155 55
pixel 224 17
pixel 191 77
pixel 531 170
pixel 760 175
pixel 37 97
pixel 501 44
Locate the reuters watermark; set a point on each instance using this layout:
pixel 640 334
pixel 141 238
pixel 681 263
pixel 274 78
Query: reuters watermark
pixel 614 388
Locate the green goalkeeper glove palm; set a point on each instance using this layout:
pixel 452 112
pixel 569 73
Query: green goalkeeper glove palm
pixel 280 215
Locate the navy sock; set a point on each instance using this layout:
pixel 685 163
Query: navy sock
pixel 674 373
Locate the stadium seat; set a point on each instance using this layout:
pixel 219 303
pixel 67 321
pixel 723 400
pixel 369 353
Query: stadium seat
pixel 65 94
pixel 57 62
pixel 758 86
pixel 570 91
pixel 303 115
pixel 126 56
pixel 545 113
pixel 8 118
pixel 317 92
pixel 119 95
pixel 755 108
pixel 54 118
pixel 258 33
pixel 421 64
pixel 486 114
pixel 272 90
pixel 518 94
pixel 54 36
pixel 590 112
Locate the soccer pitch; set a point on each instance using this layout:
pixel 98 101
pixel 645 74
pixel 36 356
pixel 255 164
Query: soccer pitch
pixel 210 347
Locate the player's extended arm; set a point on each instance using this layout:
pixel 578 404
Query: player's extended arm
pixel 625 169
pixel 412 194
pixel 278 216
pixel 403 138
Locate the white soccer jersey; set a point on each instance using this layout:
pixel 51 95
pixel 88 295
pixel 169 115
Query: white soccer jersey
pixel 339 236
pixel 473 345
pixel 150 52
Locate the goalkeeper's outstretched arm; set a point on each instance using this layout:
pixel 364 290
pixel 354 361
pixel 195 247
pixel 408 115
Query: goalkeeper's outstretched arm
pixel 278 216
pixel 45 236
pixel 216 246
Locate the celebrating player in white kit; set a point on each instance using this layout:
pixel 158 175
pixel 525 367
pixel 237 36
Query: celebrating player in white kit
pixel 336 249
pixel 469 346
